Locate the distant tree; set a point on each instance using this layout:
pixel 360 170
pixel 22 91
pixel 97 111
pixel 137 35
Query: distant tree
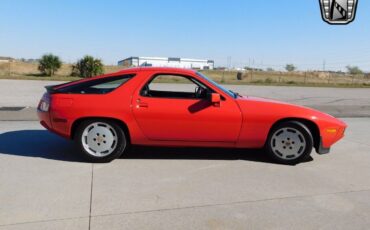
pixel 354 70
pixel 270 69
pixel 88 67
pixel 49 64
pixel 290 67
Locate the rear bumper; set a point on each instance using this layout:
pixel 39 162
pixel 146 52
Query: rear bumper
pixel 44 118
pixel 45 125
pixel 46 121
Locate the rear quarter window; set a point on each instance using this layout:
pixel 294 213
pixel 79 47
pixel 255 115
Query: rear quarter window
pixel 98 86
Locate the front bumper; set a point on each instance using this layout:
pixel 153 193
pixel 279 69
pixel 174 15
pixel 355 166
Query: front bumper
pixel 320 149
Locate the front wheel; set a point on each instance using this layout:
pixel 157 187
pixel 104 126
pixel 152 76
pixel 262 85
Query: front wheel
pixel 100 140
pixel 289 142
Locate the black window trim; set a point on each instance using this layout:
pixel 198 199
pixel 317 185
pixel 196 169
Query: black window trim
pixel 190 78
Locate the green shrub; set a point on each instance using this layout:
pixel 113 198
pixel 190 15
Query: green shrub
pixel 49 64
pixel 88 67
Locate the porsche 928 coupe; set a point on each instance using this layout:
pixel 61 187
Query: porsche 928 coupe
pixel 104 115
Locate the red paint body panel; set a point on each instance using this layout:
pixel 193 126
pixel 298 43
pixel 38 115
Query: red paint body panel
pixel 242 122
pixel 186 120
pixel 260 114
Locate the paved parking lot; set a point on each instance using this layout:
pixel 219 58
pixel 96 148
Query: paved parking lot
pixel 340 102
pixel 44 185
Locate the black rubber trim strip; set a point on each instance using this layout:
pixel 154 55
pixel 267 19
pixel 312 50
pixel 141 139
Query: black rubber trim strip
pixel 321 150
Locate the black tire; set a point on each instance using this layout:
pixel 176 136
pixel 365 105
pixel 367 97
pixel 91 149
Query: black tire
pixel 119 141
pixel 287 151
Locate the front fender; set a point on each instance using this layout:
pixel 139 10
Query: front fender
pixel 260 115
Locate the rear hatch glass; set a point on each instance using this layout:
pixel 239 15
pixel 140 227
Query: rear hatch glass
pixel 94 86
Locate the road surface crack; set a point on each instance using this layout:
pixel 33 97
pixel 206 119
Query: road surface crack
pixel 91 193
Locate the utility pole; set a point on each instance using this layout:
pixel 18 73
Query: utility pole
pixel 9 68
pixel 229 62
pixel 323 65
pixel 305 77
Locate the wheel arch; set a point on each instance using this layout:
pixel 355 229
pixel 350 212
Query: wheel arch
pixel 121 123
pixel 312 126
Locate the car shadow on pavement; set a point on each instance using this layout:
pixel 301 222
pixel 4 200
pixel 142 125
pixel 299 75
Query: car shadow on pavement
pixel 190 153
pixel 43 144
pixel 38 143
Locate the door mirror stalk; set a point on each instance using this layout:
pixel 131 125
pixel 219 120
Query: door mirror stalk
pixel 216 99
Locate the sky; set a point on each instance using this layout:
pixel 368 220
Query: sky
pixel 256 33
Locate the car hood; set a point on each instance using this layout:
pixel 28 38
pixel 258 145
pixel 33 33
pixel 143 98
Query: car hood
pixel 261 100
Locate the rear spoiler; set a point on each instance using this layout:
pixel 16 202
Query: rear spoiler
pixel 52 88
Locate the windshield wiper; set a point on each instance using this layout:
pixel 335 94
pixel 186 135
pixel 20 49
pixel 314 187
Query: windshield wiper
pixel 236 94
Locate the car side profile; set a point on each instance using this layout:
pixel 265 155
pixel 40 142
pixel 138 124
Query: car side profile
pixel 137 106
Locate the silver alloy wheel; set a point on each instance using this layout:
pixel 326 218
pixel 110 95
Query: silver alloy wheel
pixel 99 139
pixel 288 143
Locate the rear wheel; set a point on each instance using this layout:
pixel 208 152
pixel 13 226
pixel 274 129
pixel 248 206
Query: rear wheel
pixel 100 140
pixel 289 142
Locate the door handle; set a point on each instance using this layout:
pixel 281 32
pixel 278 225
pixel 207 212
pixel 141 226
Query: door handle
pixel 141 104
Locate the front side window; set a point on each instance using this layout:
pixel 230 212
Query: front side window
pixel 162 86
pixel 98 86
pixel 229 92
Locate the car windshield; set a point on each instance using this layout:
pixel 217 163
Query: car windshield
pixel 223 89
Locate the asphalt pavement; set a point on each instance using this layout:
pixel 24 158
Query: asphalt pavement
pixel 45 185
pixel 24 95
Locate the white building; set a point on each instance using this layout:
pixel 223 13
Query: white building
pixel 6 59
pixel 168 62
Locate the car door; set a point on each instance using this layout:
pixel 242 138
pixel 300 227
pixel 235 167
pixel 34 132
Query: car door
pixel 169 112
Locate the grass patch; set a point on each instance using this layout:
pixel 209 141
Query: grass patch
pixel 29 71
pixel 269 80
pixel 42 78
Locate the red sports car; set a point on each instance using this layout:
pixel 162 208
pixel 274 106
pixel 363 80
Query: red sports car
pixel 106 114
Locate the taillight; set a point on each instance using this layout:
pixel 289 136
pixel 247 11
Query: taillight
pixel 44 104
